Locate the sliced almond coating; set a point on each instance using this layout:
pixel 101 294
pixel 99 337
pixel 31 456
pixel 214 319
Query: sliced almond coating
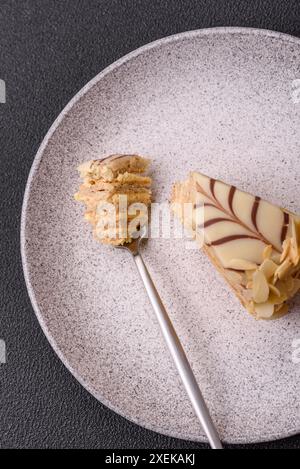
pixel 277 300
pixel 264 310
pixel 281 311
pixel 296 287
pixel 294 250
pixel 274 290
pixel 289 282
pixel 267 252
pixel 276 257
pixel 282 287
pixel 282 270
pixel 294 254
pixel 241 264
pixel 295 230
pixel 286 247
pixel 268 268
pixel 260 287
pixel 251 307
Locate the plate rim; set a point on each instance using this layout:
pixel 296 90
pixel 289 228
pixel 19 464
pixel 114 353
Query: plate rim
pixel 34 167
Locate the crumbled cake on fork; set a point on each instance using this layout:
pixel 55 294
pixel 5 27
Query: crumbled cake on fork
pixel 111 167
pixel 110 180
pixel 254 244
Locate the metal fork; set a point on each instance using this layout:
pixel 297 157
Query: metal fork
pixel 177 352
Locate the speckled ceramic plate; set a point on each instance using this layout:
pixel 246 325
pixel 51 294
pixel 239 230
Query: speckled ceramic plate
pixel 225 102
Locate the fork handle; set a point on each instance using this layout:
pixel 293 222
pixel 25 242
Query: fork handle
pixel 184 369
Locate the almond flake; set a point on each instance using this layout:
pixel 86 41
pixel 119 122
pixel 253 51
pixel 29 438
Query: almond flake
pixel 268 268
pixel 295 231
pixel 296 287
pixel 260 287
pixel 277 300
pixel 274 290
pixel 281 311
pixel 289 282
pixel 282 287
pixel 282 270
pixel 267 252
pixel 294 251
pixel 286 247
pixel 264 310
pixel 276 257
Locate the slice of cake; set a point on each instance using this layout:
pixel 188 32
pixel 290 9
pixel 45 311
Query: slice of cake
pixel 116 194
pixel 254 244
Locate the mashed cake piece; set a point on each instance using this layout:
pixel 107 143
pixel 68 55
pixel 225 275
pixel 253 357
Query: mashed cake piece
pixel 254 244
pixel 111 167
pixel 117 195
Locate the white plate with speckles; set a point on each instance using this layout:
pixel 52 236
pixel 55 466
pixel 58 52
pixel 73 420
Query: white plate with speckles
pixel 223 101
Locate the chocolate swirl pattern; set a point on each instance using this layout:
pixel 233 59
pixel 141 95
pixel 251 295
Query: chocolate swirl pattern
pixel 224 225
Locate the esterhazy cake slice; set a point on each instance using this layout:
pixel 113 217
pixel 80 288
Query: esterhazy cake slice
pixel 116 193
pixel 253 243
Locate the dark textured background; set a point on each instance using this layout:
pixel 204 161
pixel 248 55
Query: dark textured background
pixel 49 50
